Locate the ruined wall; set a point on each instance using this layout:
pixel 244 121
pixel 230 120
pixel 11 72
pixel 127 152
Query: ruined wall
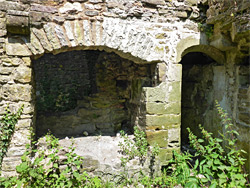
pixel 142 31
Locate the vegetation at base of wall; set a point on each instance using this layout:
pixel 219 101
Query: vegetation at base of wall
pixel 7 128
pixel 210 166
pixel 138 147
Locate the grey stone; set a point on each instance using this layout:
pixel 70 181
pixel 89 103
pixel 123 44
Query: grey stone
pixel 91 13
pixel 41 8
pixel 154 2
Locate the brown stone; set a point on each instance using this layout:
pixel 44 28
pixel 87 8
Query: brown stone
pixel 18 24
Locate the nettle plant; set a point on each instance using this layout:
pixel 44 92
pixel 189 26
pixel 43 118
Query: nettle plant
pixel 7 128
pixel 43 167
pixel 215 165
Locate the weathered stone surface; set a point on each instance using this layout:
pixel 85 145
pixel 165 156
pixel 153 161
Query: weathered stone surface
pixel 18 24
pixel 40 34
pixel 10 165
pixel 38 18
pixel 61 35
pixel 157 137
pixel 173 90
pixel 16 92
pixel 22 74
pixel 154 2
pixel 41 8
pixel 70 34
pixel 15 152
pixel 174 138
pixel 163 108
pixel 162 120
pixel 8 5
pixel 95 1
pixel 71 8
pixel 4 79
pixel 18 49
pixel 91 13
pixel 78 32
pixel 165 155
pixel 52 38
pixel 154 94
pixel 2 24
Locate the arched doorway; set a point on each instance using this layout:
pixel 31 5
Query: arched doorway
pixel 200 89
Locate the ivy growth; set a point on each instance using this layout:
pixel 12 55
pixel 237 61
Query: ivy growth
pixel 7 128
pixel 208 29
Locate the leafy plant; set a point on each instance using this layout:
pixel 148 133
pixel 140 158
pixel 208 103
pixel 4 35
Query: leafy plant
pixel 215 166
pixel 208 29
pixel 46 169
pixel 7 128
pixel 138 147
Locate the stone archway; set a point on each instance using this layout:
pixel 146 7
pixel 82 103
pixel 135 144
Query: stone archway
pixel 199 92
pixel 111 35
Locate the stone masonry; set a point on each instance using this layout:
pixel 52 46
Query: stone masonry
pixel 156 33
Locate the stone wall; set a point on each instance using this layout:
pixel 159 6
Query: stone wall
pixel 156 32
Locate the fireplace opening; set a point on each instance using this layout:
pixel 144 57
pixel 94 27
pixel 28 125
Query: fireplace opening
pixel 88 93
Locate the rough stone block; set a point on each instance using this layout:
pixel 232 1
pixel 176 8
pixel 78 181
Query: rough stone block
pixel 173 90
pixel 41 8
pixel 95 1
pixel 50 32
pixel 61 35
pixel 154 2
pixel 10 165
pixel 2 24
pixel 163 108
pixel 244 117
pixel 18 24
pixel 3 33
pixel 157 137
pixel 4 79
pixel 91 13
pixel 174 72
pixel 6 70
pixel 71 8
pixel 162 120
pixel 174 138
pixel 38 18
pixel 40 34
pixel 23 124
pixel 154 94
pixel 165 155
pixel 21 137
pixel 16 92
pixel 15 151
pixel 36 44
pixel 22 74
pixel 17 49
